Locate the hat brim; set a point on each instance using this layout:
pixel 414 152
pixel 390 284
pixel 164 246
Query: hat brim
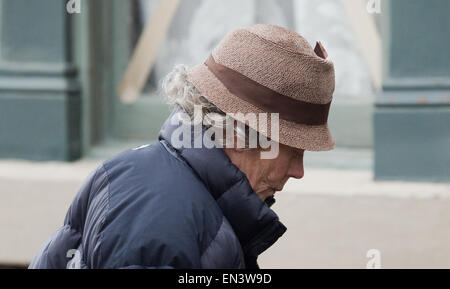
pixel 302 136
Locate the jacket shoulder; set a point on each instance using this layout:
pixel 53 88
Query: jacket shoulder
pixel 79 224
pixel 156 212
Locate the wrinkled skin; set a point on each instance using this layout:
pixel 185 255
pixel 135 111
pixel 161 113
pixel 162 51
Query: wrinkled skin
pixel 267 176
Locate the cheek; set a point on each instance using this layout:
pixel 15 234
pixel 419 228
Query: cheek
pixel 277 169
pixel 277 174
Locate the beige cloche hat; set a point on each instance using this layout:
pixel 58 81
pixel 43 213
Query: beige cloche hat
pixel 267 68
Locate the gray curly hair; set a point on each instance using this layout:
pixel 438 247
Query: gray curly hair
pixel 179 92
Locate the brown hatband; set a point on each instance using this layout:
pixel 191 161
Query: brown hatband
pixel 267 99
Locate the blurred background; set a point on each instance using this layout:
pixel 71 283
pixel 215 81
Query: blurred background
pixel 386 186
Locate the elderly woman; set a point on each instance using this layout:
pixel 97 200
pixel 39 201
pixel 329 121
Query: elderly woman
pixel 180 203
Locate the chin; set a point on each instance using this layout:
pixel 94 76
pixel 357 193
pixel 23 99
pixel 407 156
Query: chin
pixel 265 194
pixel 270 193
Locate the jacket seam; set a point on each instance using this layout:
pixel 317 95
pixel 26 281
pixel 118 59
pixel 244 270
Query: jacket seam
pixel 69 221
pixel 228 189
pixel 175 153
pixel 107 180
pixel 215 236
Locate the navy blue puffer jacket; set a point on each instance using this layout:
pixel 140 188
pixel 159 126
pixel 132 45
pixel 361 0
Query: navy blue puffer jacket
pixel 161 207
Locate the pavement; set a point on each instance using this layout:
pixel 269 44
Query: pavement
pixel 334 215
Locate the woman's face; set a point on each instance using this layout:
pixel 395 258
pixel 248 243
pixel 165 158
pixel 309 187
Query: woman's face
pixel 267 176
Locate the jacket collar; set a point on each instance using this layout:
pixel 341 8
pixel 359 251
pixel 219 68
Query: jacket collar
pixel 255 224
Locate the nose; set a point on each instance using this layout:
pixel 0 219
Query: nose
pixel 296 168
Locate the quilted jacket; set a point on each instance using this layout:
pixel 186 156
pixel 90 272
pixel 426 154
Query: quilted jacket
pixel 163 207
